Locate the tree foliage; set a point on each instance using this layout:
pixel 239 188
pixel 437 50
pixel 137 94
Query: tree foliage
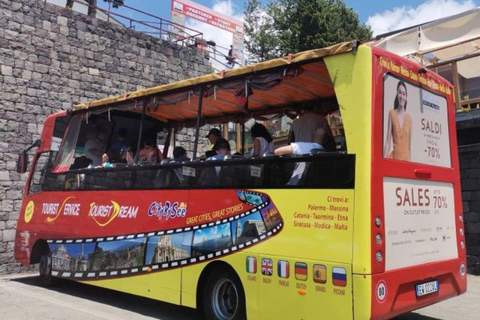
pixel 289 26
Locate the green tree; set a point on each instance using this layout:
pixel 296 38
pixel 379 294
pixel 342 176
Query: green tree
pixel 289 26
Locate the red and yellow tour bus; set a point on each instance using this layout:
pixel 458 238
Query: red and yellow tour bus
pixel 370 231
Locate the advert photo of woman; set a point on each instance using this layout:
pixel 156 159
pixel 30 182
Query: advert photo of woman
pixel 399 127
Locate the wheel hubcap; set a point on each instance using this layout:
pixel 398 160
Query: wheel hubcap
pixel 225 299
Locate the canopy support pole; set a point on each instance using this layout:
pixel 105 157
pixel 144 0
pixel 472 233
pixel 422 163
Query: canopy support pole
pixel 140 131
pixel 197 129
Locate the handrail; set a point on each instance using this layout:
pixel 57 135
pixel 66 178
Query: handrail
pixel 160 26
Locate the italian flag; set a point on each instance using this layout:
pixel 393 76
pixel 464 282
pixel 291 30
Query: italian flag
pixel 283 269
pixel 251 265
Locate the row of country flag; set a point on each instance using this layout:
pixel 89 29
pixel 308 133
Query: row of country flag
pixel 339 274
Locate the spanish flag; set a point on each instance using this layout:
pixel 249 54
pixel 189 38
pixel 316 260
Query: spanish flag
pixel 319 273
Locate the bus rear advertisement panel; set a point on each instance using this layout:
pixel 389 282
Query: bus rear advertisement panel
pixel 419 222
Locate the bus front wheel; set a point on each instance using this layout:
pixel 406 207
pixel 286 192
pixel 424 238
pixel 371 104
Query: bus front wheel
pixel 45 269
pixel 223 297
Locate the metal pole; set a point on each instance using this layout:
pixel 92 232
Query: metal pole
pixel 197 130
pixel 141 131
pixel 243 138
pixel 160 31
pixel 108 13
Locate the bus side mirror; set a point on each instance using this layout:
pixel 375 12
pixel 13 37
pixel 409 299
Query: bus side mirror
pixel 22 162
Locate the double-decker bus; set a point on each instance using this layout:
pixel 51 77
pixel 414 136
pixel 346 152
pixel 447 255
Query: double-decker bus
pixel 370 231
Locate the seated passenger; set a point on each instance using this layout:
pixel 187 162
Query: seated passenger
pixel 149 153
pixel 222 148
pixel 262 140
pixel 180 155
pixel 121 140
pixel 114 157
pixel 213 136
pixel 95 147
pixel 210 174
pixel 299 148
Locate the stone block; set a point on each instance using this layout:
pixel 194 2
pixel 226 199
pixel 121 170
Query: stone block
pixel 8 235
pixel 470 185
pixel 6 70
pixel 471 217
pixel 472 228
pixel 472 239
pixel 62 21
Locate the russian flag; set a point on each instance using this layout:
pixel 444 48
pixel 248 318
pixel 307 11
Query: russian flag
pixel 339 276
pixel 283 269
pixel 251 265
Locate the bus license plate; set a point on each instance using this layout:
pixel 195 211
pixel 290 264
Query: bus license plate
pixel 426 288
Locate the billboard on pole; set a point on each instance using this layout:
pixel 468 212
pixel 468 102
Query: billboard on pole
pixel 206 15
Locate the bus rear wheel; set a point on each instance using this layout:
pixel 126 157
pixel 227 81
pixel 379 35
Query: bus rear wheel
pixel 223 297
pixel 45 269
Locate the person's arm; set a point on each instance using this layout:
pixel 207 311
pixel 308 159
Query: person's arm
pixel 283 151
pixel 388 142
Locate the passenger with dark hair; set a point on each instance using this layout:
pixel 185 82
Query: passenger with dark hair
pixel 213 135
pixel 149 153
pixel 180 154
pixel 222 148
pixel 121 142
pixel 262 140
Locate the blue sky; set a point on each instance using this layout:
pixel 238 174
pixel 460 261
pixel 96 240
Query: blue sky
pixel 381 15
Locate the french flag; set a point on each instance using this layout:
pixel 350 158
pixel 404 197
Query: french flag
pixel 339 276
pixel 283 269
pixel 251 265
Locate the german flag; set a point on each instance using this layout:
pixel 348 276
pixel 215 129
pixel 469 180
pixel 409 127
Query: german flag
pixel 301 271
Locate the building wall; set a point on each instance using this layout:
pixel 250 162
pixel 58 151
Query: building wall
pixel 52 58
pixel 470 179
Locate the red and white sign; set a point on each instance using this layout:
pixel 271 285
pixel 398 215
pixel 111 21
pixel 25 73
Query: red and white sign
pixel 419 222
pixel 206 15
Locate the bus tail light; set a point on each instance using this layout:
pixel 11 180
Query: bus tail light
pixel 378 239
pixel 378 222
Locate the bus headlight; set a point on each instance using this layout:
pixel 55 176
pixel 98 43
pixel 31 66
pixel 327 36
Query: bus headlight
pixel 379 256
pixel 378 222
pixel 460 217
pixel 378 239
pixel 462 244
pixel 461 231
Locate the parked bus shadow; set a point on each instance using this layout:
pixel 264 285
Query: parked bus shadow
pixel 142 306
pixel 414 316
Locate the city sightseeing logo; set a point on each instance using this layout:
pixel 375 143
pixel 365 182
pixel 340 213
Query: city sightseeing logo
pixel 169 210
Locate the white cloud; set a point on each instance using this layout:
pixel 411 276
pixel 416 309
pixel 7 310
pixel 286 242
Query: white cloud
pixel 403 17
pixel 222 38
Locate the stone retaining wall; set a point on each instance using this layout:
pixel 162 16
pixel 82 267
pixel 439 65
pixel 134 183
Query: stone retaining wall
pixel 52 58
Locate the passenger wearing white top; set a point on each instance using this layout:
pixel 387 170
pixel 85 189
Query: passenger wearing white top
pixel 299 148
pixel 262 140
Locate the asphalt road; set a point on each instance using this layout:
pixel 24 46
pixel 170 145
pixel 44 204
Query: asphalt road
pixel 22 298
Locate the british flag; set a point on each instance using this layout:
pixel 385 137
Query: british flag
pixel 267 267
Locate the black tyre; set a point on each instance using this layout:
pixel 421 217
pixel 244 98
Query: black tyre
pixel 223 297
pixel 45 269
